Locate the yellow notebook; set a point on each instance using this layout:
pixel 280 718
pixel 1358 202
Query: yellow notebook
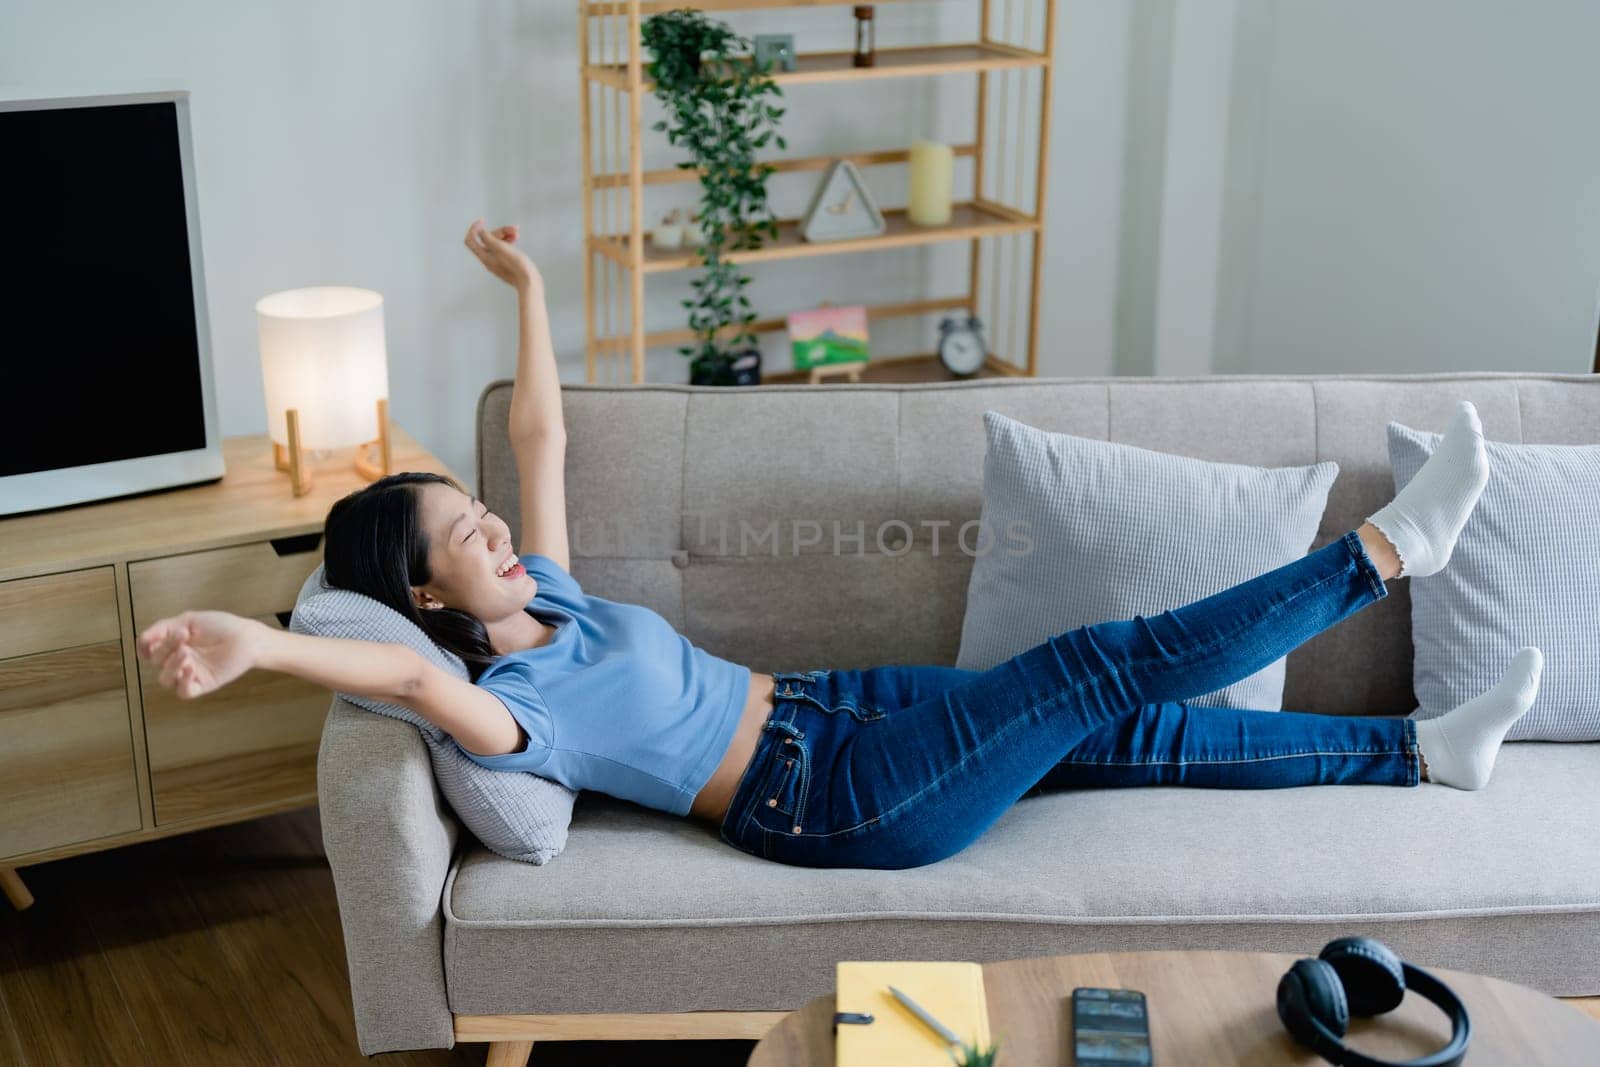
pixel 950 992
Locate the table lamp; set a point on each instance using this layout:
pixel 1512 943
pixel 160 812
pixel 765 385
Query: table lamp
pixel 326 377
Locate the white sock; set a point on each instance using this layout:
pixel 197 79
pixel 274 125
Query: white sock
pixel 1425 518
pixel 1460 745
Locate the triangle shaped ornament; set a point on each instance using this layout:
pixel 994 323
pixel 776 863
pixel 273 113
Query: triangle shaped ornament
pixel 841 209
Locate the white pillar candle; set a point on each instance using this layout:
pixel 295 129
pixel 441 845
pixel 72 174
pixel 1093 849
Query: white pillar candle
pixel 932 176
pixel 667 236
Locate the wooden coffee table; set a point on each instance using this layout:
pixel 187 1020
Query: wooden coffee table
pixel 1218 1008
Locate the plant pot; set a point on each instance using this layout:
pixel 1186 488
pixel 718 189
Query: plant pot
pixel 740 368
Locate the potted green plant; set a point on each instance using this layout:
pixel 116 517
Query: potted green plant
pixel 973 1055
pixel 720 110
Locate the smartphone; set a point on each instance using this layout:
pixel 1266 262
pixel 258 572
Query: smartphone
pixel 1110 1028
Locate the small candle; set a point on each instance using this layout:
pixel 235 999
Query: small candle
pixel 932 176
pixel 671 232
pixel 667 235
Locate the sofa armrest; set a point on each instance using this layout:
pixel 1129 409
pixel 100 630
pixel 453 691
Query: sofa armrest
pixel 389 837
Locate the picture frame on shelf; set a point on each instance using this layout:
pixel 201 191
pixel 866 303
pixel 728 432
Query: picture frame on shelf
pixel 778 48
pixel 829 335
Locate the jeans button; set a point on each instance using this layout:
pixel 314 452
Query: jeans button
pixel 772 803
pixel 797 829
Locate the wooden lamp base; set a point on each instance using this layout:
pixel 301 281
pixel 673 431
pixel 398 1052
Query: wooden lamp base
pixel 373 458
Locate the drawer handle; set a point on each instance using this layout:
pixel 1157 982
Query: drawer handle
pixel 293 546
pixel 283 618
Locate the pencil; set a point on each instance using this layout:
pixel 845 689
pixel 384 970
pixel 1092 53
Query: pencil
pixel 925 1018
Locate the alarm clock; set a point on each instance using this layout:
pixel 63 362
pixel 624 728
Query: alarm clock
pixel 961 347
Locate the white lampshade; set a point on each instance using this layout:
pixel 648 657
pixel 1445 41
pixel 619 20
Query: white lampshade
pixel 322 353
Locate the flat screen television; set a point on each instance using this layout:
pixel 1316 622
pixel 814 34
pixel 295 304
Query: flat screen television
pixel 105 349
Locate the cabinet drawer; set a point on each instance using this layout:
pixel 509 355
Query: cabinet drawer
pixel 257 579
pixel 254 742
pixel 57 611
pixel 66 755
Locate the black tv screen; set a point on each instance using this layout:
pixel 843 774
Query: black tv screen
pixel 103 353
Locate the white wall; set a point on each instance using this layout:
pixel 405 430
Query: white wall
pixel 1187 276
pixel 1416 188
pixel 1175 160
pixel 351 143
pixel 1319 186
pixel 1248 186
pixel 1084 205
pixel 342 144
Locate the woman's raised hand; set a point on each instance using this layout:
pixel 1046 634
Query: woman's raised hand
pixel 199 652
pixel 496 249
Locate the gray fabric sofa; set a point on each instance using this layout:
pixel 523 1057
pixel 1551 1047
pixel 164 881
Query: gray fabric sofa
pixel 646 913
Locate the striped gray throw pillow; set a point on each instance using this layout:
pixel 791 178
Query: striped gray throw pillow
pixel 1118 531
pixel 1525 571
pixel 515 814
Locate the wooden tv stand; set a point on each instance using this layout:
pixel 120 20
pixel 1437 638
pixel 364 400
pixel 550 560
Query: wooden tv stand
pixel 94 754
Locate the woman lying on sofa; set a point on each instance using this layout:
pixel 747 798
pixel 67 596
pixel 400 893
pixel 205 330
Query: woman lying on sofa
pixel 887 767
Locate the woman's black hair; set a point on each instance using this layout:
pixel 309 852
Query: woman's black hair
pixel 374 544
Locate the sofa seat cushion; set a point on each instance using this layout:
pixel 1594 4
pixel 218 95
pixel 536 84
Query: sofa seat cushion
pixel 663 916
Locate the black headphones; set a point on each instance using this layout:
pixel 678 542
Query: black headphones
pixel 1361 976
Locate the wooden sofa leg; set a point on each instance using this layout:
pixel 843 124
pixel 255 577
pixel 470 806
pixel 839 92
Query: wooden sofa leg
pixel 509 1053
pixel 15 890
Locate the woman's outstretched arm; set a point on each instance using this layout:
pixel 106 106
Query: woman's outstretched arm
pixel 536 426
pixel 199 652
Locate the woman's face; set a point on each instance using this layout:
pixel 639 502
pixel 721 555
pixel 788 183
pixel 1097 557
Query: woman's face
pixel 470 553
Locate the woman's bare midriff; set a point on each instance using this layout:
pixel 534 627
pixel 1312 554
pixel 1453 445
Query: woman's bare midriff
pixel 711 803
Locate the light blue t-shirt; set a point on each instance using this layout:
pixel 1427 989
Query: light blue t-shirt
pixel 617 701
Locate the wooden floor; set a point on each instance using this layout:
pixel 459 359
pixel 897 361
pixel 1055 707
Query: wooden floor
pixel 219 947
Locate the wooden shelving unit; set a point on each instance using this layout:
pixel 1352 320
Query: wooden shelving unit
pixel 1002 224
pixel 892 63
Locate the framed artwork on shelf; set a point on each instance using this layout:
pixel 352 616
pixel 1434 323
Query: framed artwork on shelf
pixel 828 335
pixel 778 48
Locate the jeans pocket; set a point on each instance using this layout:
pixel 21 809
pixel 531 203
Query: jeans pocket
pixel 855 707
pixel 863 711
pixel 784 798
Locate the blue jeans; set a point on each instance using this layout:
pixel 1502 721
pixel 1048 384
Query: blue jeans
pixel 901 766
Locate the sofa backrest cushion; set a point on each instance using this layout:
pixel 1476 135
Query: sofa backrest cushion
pixel 675 493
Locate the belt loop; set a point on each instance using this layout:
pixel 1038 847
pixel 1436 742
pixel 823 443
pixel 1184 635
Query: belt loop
pixel 781 722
